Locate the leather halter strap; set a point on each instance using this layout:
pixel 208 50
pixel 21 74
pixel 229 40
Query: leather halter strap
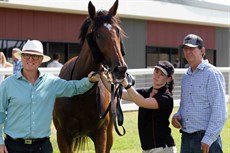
pixel 97 54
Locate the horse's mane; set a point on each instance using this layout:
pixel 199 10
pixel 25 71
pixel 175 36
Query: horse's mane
pixel 101 18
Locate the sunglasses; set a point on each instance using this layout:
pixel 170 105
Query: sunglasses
pixel 28 56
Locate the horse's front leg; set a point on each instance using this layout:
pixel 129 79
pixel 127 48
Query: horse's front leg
pixel 109 136
pixel 65 145
pixel 99 139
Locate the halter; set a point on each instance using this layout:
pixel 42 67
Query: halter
pixel 116 92
pixel 97 55
pixel 117 113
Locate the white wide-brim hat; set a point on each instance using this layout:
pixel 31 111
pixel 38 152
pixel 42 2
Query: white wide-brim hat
pixel 34 47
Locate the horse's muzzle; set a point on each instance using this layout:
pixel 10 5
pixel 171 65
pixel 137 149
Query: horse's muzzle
pixel 119 73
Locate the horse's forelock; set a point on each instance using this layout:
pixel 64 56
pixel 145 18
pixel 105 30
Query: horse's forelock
pixel 102 17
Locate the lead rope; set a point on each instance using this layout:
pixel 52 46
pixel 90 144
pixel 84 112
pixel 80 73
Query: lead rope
pixel 101 116
pixel 117 113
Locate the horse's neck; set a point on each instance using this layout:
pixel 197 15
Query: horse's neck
pixel 84 64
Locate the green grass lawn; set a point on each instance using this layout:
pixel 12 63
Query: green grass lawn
pixel 129 143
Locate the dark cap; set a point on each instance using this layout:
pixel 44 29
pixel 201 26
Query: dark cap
pixel 166 67
pixel 192 40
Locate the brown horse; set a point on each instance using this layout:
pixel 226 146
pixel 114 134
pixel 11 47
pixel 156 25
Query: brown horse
pixel 77 118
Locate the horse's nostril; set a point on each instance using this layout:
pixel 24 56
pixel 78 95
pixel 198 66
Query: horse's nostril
pixel 115 69
pixel 120 69
pixel 124 68
pixel 119 73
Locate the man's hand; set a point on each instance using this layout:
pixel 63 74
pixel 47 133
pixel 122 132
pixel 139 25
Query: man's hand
pixel 3 148
pixel 176 121
pixel 93 77
pixel 204 147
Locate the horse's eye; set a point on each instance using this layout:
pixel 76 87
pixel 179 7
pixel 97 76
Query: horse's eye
pixel 100 36
pixel 118 32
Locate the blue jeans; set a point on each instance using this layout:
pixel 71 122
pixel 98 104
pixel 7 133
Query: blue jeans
pixel 191 143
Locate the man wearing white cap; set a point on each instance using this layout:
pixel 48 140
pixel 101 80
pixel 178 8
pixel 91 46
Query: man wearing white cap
pixel 203 110
pixel 27 100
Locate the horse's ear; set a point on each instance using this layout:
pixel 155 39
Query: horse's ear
pixel 91 10
pixel 113 9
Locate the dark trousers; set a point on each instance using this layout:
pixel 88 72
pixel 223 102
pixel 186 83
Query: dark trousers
pixel 191 143
pixel 14 146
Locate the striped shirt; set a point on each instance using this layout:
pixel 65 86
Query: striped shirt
pixel 17 66
pixel 203 105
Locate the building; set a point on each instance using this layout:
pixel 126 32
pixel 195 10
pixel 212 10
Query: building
pixel 154 28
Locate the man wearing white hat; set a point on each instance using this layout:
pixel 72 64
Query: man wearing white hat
pixel 27 100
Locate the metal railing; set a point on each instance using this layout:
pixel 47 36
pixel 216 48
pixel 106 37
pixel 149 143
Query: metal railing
pixel 143 79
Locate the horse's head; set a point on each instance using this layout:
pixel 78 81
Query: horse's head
pixel 104 37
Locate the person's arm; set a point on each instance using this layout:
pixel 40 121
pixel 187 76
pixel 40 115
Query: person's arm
pixel 3 108
pixel 3 100
pixel 216 92
pixel 131 94
pixel 138 99
pixel 69 88
pixel 107 84
pixel 93 78
pixel 9 64
pixel 83 85
pixel 3 148
pixel 2 119
pixel 176 121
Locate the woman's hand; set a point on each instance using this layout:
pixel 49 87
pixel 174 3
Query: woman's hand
pixel 128 81
pixel 124 83
pixel 106 80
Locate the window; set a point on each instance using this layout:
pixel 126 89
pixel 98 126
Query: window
pixel 155 54
pixel 65 49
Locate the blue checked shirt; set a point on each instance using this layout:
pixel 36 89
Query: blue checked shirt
pixel 203 105
pixel 26 109
pixel 17 66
